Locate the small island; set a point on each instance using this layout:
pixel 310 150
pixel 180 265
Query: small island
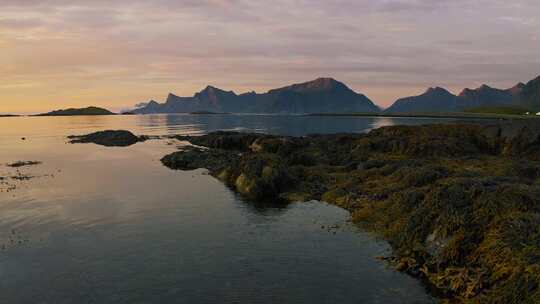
pixel 90 111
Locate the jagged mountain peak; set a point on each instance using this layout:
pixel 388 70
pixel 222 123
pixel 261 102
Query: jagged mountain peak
pixel 438 91
pixel 516 90
pixel 317 85
pixel 486 96
pixel 323 82
pixel 465 92
pixel 519 85
pixel 533 83
pixel 485 87
pixel 435 99
pixel 322 95
pixel 530 94
pixel 212 90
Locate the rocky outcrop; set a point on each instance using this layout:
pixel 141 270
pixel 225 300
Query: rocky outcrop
pixel 191 158
pixel 460 204
pixel 109 138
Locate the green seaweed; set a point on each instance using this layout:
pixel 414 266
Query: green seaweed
pixel 459 204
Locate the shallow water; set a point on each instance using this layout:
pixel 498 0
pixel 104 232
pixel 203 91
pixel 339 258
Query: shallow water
pixel 112 225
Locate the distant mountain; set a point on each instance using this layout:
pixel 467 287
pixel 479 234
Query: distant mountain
pixel 439 100
pixel 323 95
pixel 530 94
pixel 488 96
pixel 77 112
pixel 517 89
pixel 327 95
pixel 434 100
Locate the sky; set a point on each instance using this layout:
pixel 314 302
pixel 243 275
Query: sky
pixel 71 53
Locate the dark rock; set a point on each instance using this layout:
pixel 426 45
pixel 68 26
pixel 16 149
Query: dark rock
pixel 109 138
pixel 454 201
pixel 19 164
pixel 223 140
pixel 191 158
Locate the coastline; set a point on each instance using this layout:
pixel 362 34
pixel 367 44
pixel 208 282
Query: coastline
pixel 454 201
pixel 488 116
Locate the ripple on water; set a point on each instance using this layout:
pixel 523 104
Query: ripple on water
pixel 115 226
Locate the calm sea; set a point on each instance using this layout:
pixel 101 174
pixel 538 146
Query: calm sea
pixel 112 225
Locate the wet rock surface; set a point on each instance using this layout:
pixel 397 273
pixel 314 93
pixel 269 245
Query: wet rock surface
pixel 191 158
pixel 22 163
pixel 109 138
pixel 460 204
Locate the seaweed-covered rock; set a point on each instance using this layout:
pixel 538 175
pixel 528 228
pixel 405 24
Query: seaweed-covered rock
pixel 191 158
pixel 109 138
pixel 429 141
pixel 262 177
pixel 224 140
pixel 460 204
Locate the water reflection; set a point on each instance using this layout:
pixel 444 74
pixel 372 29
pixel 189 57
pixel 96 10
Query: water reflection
pixel 264 208
pixel 282 125
pixel 115 226
pixel 161 124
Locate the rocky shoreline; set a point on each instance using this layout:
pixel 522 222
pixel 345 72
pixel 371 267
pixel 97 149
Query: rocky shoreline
pixel 459 204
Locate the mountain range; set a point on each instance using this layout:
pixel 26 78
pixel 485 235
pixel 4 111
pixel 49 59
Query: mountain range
pixel 440 100
pixel 323 95
pixel 327 95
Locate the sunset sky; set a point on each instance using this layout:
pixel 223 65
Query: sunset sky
pixel 70 53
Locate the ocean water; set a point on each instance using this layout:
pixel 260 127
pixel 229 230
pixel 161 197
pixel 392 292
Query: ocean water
pixel 92 224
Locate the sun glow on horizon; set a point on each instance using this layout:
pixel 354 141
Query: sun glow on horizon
pixel 60 55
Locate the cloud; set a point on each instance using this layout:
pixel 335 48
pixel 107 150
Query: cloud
pixel 14 23
pixel 102 51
